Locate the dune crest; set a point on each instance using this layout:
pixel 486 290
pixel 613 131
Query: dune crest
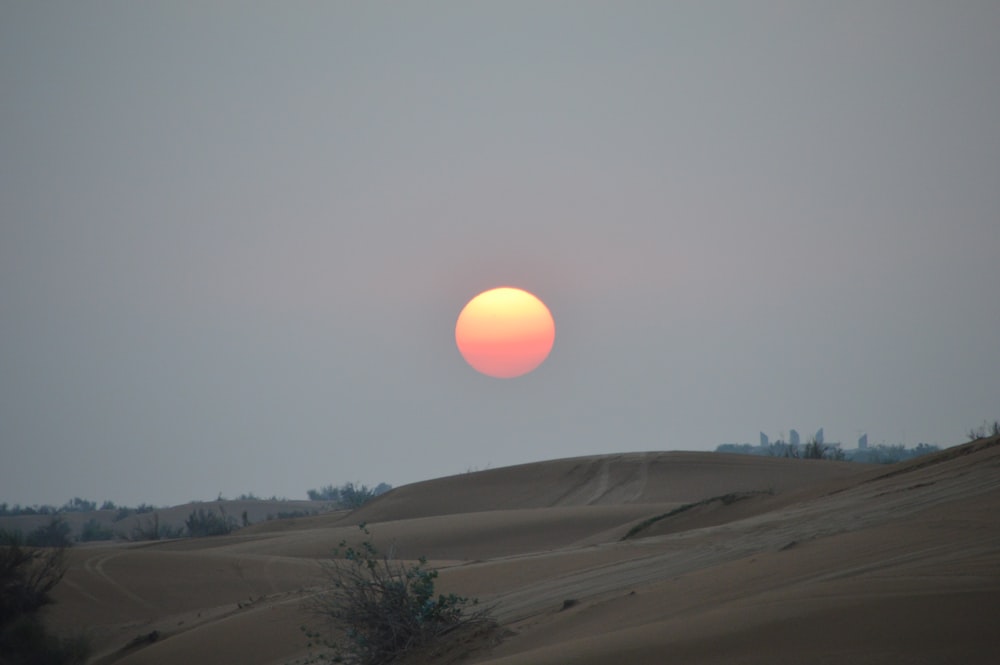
pixel 637 558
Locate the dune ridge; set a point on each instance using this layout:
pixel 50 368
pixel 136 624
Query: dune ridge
pixel 819 562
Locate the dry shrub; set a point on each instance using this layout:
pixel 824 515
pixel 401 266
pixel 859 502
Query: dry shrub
pixel 27 576
pixel 388 609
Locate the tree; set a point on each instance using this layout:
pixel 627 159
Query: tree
pixel 78 505
pixel 813 450
pixel 328 493
pixel 354 496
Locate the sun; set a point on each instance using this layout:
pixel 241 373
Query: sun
pixel 505 332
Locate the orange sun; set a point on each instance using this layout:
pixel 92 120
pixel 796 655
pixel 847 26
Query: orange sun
pixel 505 332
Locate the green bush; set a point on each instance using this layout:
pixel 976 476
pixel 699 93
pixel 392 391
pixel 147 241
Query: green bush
pixel 389 608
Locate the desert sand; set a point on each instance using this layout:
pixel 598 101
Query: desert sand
pixel 803 561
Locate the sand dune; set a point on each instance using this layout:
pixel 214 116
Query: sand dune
pixel 806 561
pixel 655 477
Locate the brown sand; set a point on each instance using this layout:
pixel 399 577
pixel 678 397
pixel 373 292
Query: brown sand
pixel 822 562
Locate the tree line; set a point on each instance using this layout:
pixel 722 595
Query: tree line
pixel 877 454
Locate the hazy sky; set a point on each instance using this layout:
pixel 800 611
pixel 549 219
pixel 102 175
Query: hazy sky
pixel 235 237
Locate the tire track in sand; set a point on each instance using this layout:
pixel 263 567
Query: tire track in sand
pixel 643 478
pixel 95 566
pixel 603 480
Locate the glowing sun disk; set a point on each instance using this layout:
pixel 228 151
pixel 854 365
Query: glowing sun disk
pixel 505 332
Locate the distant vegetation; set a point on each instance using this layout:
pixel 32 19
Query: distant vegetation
pixel 124 512
pixel 890 454
pixel 984 431
pixel 151 529
pixel 349 495
pixel 53 534
pixel 74 505
pixel 92 530
pixel 290 514
pixel 250 496
pixel 202 523
pixel 877 454
pixel 148 526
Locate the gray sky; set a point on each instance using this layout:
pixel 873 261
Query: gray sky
pixel 235 237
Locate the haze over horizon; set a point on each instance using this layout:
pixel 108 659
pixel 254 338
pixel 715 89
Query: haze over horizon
pixel 234 240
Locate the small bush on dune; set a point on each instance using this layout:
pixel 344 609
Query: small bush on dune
pixel 984 431
pixel 389 608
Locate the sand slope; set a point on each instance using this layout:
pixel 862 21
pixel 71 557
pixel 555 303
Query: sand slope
pixel 654 477
pixel 815 562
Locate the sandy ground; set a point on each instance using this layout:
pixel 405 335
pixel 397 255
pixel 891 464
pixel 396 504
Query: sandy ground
pixel 805 561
